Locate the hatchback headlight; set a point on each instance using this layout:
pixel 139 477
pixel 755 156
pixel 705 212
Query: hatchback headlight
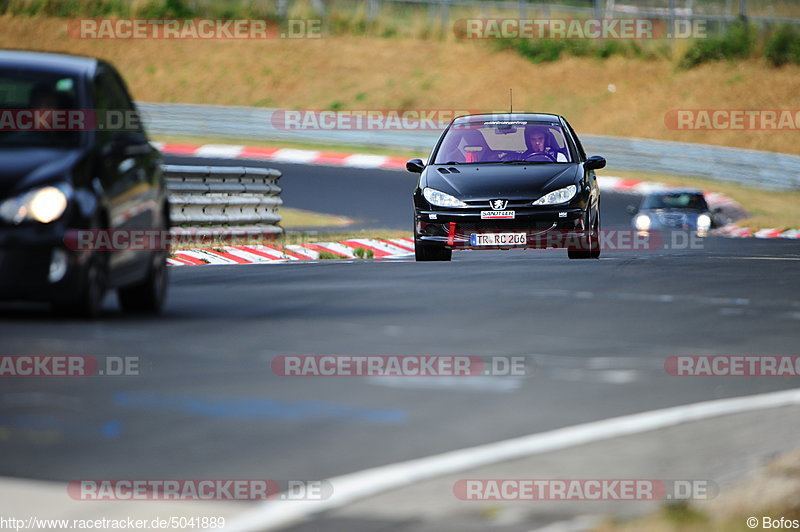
pixel 43 205
pixel 440 199
pixel 562 195
pixel 642 222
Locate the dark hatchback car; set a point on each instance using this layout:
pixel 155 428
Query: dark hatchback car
pixel 503 181
pixel 673 209
pixel 58 178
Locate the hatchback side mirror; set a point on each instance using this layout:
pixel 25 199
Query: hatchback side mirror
pixel 595 162
pixel 415 166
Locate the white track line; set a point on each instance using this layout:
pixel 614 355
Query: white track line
pixel 348 488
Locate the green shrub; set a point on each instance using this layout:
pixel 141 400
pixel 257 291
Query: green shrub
pixel 737 42
pixel 783 46
pixel 166 9
pixel 364 253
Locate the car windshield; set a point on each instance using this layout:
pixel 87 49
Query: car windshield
pixel 675 201
pixel 33 109
pixel 495 141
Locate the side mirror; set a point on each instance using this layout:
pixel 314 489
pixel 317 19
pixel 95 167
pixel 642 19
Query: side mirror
pixel 631 210
pixel 127 143
pixel 415 166
pixel 595 162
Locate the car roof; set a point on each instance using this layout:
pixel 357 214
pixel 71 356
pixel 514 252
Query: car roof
pixel 675 190
pixel 73 65
pixel 508 117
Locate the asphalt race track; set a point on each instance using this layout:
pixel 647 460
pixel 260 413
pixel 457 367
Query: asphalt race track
pixel 206 403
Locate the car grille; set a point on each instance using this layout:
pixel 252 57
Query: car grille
pixel 484 204
pixel 673 220
pixel 503 225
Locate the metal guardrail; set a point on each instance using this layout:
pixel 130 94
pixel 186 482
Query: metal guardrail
pixel 752 168
pixel 205 197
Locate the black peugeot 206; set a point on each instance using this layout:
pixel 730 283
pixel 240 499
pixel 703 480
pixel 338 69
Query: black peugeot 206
pixel 504 181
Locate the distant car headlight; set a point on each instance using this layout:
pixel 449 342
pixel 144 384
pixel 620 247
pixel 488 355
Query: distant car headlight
pixel 43 205
pixel 562 195
pixel 703 222
pixel 642 222
pixel 440 199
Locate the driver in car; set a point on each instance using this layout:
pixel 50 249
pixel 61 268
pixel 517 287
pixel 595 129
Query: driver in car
pixel 538 144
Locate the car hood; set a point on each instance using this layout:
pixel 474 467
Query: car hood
pixel 23 168
pixel 500 181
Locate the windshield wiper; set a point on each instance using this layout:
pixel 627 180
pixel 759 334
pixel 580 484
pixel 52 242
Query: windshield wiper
pixel 520 161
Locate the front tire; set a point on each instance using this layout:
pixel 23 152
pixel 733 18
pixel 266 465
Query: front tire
pixel 148 296
pixel 92 291
pixel 591 248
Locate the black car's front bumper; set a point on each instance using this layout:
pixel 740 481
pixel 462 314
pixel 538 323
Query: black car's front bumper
pixel 544 228
pixel 26 256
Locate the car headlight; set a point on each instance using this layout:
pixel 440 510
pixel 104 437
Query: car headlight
pixel 703 222
pixel 562 195
pixel 43 205
pixel 642 222
pixel 440 199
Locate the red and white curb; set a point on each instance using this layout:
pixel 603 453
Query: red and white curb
pixel 735 231
pixel 394 248
pixel 360 160
pixel 284 155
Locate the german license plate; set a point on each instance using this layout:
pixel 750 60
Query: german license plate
pixel 498 239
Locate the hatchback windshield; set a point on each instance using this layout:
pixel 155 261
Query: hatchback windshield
pixel 32 109
pixel 675 201
pixel 504 141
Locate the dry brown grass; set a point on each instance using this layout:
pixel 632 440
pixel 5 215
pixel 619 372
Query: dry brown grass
pixel 294 218
pixel 375 73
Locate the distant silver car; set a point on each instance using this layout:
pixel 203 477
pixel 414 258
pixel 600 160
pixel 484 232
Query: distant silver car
pixel 673 209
